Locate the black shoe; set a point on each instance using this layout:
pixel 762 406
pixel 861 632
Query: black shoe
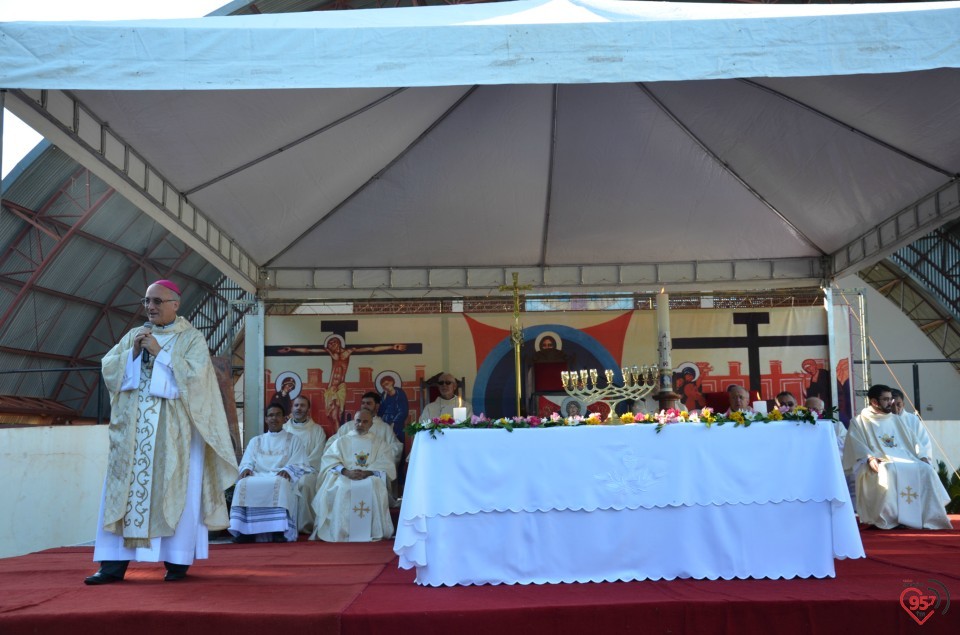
pixel 242 539
pixel 110 571
pixel 175 571
pixel 101 578
pixel 278 537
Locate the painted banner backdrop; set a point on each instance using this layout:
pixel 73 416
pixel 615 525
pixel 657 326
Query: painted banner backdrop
pixel 334 360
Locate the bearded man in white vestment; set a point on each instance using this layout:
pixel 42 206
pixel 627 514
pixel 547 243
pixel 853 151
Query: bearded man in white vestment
pixel 447 401
pixel 313 438
pixel 265 500
pixel 171 457
pixel 890 458
pixel 352 504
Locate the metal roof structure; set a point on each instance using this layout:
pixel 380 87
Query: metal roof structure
pixel 743 146
pixel 923 280
pixel 80 242
pixel 75 259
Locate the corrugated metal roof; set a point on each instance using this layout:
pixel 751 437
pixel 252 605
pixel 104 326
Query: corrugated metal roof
pixel 72 290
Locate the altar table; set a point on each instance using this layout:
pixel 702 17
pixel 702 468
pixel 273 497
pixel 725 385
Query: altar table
pixel 607 503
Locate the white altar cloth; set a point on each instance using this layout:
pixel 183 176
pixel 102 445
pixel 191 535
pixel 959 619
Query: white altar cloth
pixel 607 503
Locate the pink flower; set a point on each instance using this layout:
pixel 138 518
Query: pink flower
pixel 671 415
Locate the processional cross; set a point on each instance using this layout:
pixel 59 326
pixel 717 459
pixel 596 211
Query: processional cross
pixel 516 331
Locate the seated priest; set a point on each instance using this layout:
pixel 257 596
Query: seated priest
pixel 739 400
pixel 786 401
pixel 897 405
pixel 352 503
pixel 265 499
pixel 378 428
pixel 311 435
pixel 815 405
pixel 890 457
pixel 447 401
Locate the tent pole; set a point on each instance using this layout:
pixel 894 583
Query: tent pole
pixel 864 345
pixel 832 356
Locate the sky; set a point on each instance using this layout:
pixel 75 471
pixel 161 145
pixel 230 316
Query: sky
pixel 19 138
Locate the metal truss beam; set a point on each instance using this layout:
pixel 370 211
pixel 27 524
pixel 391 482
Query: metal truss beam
pixel 907 225
pixel 141 260
pixel 926 311
pixel 481 281
pixel 18 284
pixel 136 267
pixel 60 242
pixel 21 352
pixel 68 124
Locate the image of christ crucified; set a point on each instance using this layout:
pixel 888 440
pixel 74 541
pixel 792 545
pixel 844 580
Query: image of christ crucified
pixel 335 394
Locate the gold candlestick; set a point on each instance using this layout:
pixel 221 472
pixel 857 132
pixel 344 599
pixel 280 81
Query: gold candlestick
pixel 583 385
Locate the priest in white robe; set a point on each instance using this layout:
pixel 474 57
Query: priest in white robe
pixel 890 457
pixel 381 430
pixel 171 457
pixel 265 500
pixel 352 504
pixel 739 400
pixel 312 436
pixel 447 401
pixel 378 428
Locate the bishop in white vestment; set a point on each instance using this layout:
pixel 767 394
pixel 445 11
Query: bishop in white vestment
pixel 171 457
pixel 890 458
pixel 265 499
pixel 352 503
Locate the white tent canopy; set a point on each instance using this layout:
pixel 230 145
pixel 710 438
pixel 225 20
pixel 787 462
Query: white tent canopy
pixel 585 144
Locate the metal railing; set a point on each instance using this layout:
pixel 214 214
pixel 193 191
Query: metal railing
pixel 862 392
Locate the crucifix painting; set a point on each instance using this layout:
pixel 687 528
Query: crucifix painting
pixel 339 351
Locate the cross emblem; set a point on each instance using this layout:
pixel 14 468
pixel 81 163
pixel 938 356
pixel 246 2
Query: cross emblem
pixel 361 509
pixel 753 342
pixel 909 494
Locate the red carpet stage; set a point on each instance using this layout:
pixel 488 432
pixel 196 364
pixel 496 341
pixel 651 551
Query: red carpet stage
pixel 314 588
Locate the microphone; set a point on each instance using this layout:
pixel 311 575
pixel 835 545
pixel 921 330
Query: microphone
pixel 144 351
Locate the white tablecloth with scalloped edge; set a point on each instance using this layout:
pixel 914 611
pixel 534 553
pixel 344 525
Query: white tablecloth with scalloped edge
pixel 606 503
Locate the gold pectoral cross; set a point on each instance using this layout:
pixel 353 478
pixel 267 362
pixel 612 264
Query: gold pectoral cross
pixel 361 509
pixel 516 331
pixel 909 494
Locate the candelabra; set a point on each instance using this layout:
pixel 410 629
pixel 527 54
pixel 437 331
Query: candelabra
pixel 638 382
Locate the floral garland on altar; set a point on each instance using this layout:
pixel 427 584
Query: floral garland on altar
pixel 708 417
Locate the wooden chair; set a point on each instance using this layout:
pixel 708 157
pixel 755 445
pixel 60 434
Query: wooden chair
pixel 543 377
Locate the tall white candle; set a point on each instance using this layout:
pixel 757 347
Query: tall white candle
pixel 663 329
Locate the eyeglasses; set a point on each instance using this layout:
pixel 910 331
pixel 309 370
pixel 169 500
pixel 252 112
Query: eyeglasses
pixel 446 383
pixel 153 301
